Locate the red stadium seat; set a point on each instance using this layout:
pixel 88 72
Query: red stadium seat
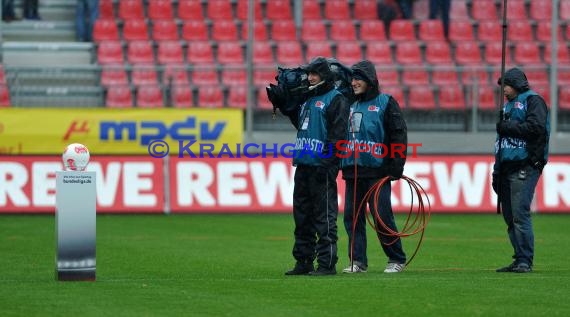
pixel 516 9
pixel 458 10
pixel 242 10
pixel 337 10
pixel 140 52
pixel 119 97
pixel 317 48
pixel 537 76
pixel 421 98
pixel 402 30
pixel 314 30
pixel 372 30
pixel 564 10
pixel 461 31
pixel 110 52
pixel 366 10
pixel 562 53
pixel 278 10
pixel 106 9
pixel 431 30
pixel 527 53
pixel 543 32
pixel 263 101
pixel 484 10
pixel 195 30
pixel 164 30
pixel 494 53
pixel 160 9
pixel 263 53
pixel 205 75
pixel 342 30
pixel 451 97
pixel 105 30
pixel 470 74
pixel 224 30
pixel 169 52
pixel 259 31
pixel 200 52
pixel 520 30
pixel 181 96
pixel 468 53
pixel 144 75
pixel 135 30
pixel 219 10
pixel 486 97
pixel 210 97
pixel 388 76
pixel 174 74
pixel 438 52
pixel 289 53
pixel 230 53
pixel 149 96
pixel 131 9
pixel 408 53
pixel 112 75
pixel 190 10
pixel 4 96
pixel 349 53
pixel 283 30
pixel 444 76
pixel 544 91
pixel 563 76
pixel 311 10
pixel 489 31
pixel 2 75
pixel 237 97
pixel 263 76
pixel 540 10
pixel 379 53
pixel 415 76
pixel 233 76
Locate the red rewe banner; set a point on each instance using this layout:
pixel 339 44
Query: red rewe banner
pixel 124 183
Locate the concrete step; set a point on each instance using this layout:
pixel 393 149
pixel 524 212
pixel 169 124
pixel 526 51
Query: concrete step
pixel 47 54
pixel 39 31
pixel 57 96
pixel 49 76
pixel 51 10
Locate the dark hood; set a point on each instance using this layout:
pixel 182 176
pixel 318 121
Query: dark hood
pixel 321 66
pixel 515 78
pixel 367 72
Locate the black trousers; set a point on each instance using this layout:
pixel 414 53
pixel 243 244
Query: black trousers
pixel 315 210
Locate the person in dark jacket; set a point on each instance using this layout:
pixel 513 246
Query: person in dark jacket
pixel 375 118
pixel 523 133
pixel 320 122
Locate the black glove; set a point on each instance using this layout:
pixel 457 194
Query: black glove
pixel 495 182
pixel 502 127
pixel 395 172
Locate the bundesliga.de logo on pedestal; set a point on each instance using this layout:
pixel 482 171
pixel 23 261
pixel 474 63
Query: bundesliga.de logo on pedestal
pixel 75 157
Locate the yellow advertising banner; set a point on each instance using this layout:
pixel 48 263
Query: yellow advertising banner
pixel 119 131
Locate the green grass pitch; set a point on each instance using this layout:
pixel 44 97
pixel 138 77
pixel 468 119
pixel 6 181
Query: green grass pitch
pixel 233 265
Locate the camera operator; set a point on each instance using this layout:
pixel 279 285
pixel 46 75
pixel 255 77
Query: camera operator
pixel 321 121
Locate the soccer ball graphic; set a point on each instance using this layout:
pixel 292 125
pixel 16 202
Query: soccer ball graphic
pixel 75 157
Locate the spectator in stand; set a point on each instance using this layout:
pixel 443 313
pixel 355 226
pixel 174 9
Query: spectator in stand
pixel 8 14
pixel 407 8
pixel 31 10
pixel 86 13
pixel 441 7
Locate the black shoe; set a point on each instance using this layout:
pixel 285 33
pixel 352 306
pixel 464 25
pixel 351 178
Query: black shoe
pixel 522 268
pixel 301 269
pixel 323 271
pixel 508 268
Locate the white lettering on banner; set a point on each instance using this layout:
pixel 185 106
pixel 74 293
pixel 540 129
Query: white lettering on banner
pixel 455 181
pixel 192 182
pixel 279 179
pixel 556 184
pixel 137 177
pixel 420 172
pixel 107 182
pixel 14 177
pixel 229 182
pixel 43 176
